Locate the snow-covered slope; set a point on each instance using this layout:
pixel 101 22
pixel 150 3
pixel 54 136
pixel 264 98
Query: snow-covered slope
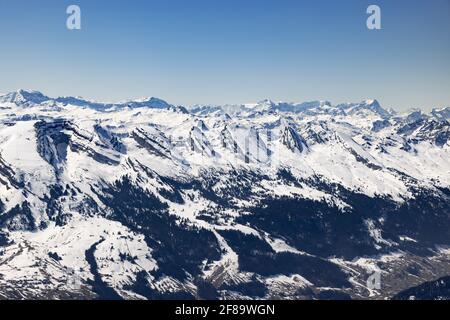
pixel 143 199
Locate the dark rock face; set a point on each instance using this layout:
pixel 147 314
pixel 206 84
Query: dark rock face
pixel 433 290
pixel 3 239
pixel 291 139
pixel 18 218
pixel 102 289
pixel 380 125
pixel 55 137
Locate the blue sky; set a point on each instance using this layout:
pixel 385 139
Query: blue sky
pixel 230 51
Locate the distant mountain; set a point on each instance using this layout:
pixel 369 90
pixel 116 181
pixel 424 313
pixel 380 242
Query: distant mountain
pixel 147 103
pixel 272 200
pixel 365 108
pixel 24 97
pixel 33 98
pixel 362 108
pixel 443 113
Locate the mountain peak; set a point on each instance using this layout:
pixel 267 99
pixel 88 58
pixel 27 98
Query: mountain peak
pixel 290 138
pixel 264 105
pixel 150 102
pixel 24 96
pixel 371 105
pixel 443 113
pixel 371 102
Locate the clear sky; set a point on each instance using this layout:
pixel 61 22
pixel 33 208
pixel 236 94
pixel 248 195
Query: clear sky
pixel 230 51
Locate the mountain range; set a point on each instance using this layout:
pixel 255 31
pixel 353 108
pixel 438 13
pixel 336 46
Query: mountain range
pixel 143 199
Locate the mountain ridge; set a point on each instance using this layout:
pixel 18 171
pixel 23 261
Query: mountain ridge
pixel 30 97
pixel 161 201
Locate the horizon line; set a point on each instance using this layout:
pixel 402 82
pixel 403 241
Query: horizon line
pixel 257 101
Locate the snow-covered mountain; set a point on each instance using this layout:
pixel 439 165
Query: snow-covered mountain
pixel 144 199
